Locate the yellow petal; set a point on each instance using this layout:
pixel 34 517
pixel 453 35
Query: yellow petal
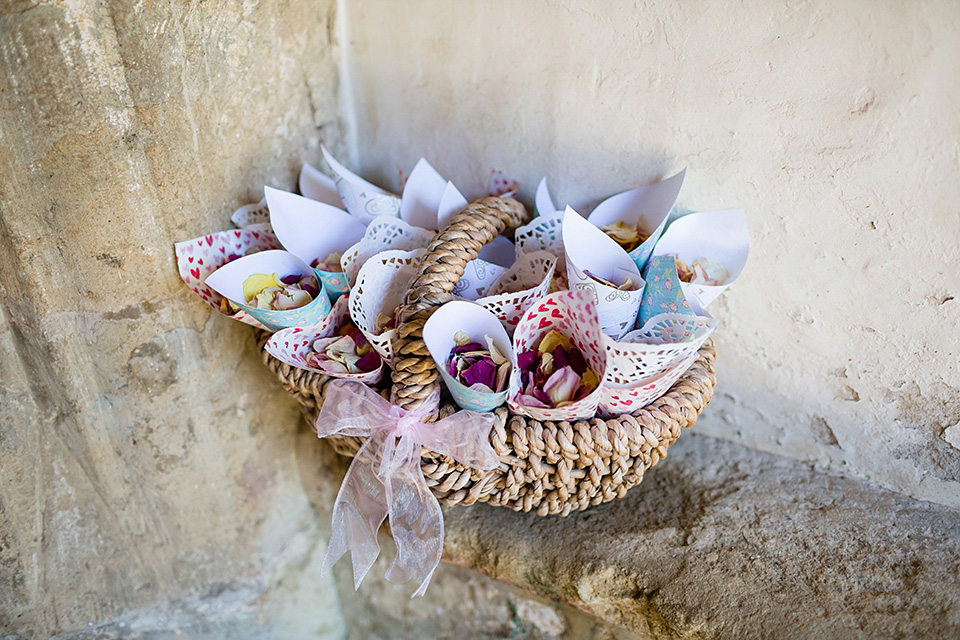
pixel 552 340
pixel 257 282
pixel 589 380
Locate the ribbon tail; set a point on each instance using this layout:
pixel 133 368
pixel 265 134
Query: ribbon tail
pixel 358 512
pixel 415 519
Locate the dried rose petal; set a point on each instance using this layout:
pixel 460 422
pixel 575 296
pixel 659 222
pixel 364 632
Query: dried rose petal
pixel 562 385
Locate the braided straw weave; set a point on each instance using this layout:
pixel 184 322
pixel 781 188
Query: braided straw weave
pixel 552 467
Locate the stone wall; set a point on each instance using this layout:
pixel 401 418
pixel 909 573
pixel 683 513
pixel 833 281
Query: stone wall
pixel 833 124
pixel 146 457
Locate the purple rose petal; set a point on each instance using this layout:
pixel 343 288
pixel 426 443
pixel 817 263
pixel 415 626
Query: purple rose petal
pixel 369 361
pixel 293 278
pixel 576 361
pixel 473 346
pixel 527 360
pixel 482 371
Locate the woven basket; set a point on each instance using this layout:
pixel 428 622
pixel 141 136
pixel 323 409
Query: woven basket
pixel 550 467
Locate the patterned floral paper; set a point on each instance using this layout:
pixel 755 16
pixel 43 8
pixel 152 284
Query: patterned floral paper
pixel 662 292
pixel 293 346
pixel 574 315
pixel 198 258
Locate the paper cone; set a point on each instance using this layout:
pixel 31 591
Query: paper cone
pixel 720 236
pixel 438 334
pixel 312 230
pixel 198 258
pixel 382 282
pixel 662 292
pixel 647 205
pixel 383 234
pixel 228 282
pixel 527 281
pixel 589 249
pixel 574 315
pixel 362 199
pixel 317 186
pixel 477 279
pixel 251 214
pixel 543 233
pixel 293 346
pixel 617 401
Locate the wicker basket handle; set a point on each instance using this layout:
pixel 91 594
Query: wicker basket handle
pixel 414 373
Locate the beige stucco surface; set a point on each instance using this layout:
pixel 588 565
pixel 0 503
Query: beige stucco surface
pixel 834 125
pixel 147 460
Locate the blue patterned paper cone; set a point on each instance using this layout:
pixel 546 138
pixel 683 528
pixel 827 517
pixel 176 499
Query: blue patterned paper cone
pixel 476 322
pixel 662 293
pixel 304 316
pixel 642 253
pixel 335 282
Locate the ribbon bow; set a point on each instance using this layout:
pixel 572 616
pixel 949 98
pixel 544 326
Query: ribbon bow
pixel 384 478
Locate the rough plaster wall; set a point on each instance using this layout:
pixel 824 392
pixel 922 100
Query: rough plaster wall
pixel 147 461
pixel 835 125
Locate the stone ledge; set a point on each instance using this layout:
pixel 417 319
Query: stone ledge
pixel 722 541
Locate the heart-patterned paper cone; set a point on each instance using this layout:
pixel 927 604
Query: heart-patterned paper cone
pixel 228 282
pixel 476 322
pixel 616 401
pixel 524 283
pixel 589 252
pixel 646 362
pixel 382 282
pixel 572 314
pixel 198 258
pixel 293 346
pixel 719 236
pixel 313 230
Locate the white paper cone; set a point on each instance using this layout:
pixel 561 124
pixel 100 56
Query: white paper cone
pixel 381 285
pixel 422 195
pixel 527 281
pixel 475 321
pixel 318 186
pixel 477 279
pixel 647 205
pixel 312 230
pixel 544 202
pixel 383 234
pixel 544 233
pixel 250 214
pixel 589 249
pixel 361 198
pixel 720 236
pixel 452 202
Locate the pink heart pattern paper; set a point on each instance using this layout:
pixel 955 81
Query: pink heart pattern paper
pixel 198 258
pixel 294 345
pixel 616 401
pixel 574 315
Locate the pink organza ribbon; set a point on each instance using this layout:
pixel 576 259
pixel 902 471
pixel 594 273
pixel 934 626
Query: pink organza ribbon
pixel 384 478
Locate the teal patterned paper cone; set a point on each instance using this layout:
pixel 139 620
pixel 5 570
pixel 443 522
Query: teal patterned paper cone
pixel 477 323
pixel 642 253
pixel 228 282
pixel 335 282
pixel 662 292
